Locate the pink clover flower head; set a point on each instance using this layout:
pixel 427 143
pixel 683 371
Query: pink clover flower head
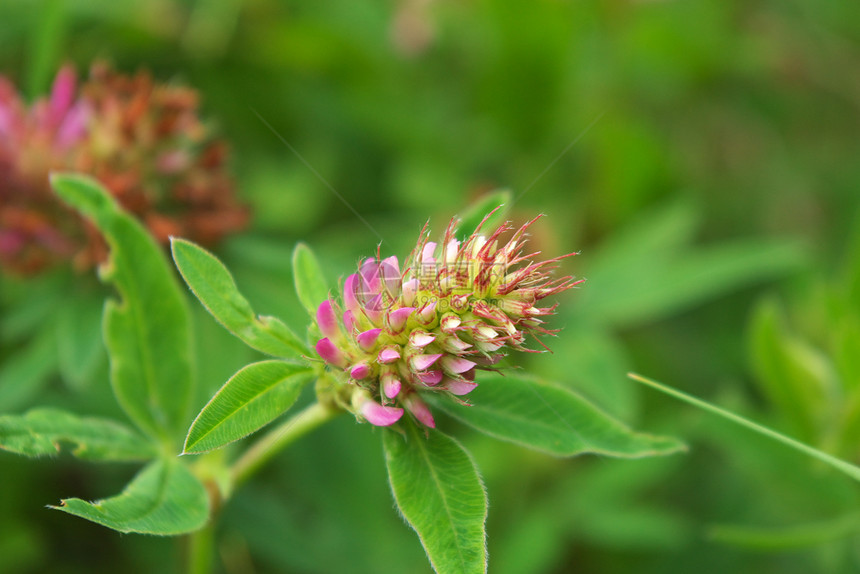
pixel 144 141
pixel 454 309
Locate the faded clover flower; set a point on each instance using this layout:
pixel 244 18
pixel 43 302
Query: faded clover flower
pixel 144 141
pixel 426 329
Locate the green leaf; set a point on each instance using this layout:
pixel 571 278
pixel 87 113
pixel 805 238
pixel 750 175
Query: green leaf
pixel 786 538
pixel 26 370
pixel 438 490
pixel 479 209
pixel 846 353
pixel 212 283
pixel 650 268
pixel 794 377
pixel 163 499
pixel 148 333
pixel 251 399
pixel 849 422
pixel 551 419
pixel 656 286
pixel 845 467
pixel 40 432
pixel 29 303
pixel 46 47
pixel 80 349
pixel 590 360
pixel 311 285
pixel 666 230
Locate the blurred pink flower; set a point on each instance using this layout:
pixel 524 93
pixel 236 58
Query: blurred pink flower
pixel 143 141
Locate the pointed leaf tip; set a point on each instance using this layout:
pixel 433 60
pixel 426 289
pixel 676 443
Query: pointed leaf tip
pixel 251 399
pixel 548 418
pixel 164 499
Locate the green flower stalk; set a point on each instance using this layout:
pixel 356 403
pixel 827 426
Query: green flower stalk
pixel 144 141
pixel 427 329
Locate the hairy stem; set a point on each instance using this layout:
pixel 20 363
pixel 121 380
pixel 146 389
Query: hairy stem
pixel 278 438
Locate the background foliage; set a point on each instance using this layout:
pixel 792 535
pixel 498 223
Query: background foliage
pixel 699 155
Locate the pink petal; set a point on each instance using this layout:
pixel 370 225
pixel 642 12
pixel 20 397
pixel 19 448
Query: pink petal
pixel 359 371
pixel 11 242
pixel 397 318
pixel 330 353
pixel 390 267
pixel 419 410
pixel 456 365
pixel 390 385
pixel 388 355
pixel 349 294
pixel 460 388
pixel 73 127
pixel 455 345
pixel 367 339
pixel 373 308
pixel 327 320
pixel 62 93
pixel 409 290
pixel 427 253
pixel 420 339
pixel 389 273
pixel 173 162
pixel 349 322
pixel 423 362
pixel 5 118
pixel 430 378
pixel 369 270
pixel 379 415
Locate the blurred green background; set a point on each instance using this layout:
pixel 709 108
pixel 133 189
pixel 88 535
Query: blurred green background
pixel 702 156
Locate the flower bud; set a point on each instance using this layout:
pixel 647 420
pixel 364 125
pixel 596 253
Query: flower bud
pixel 330 353
pixel 327 321
pixel 419 409
pixel 388 355
pixel 373 412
